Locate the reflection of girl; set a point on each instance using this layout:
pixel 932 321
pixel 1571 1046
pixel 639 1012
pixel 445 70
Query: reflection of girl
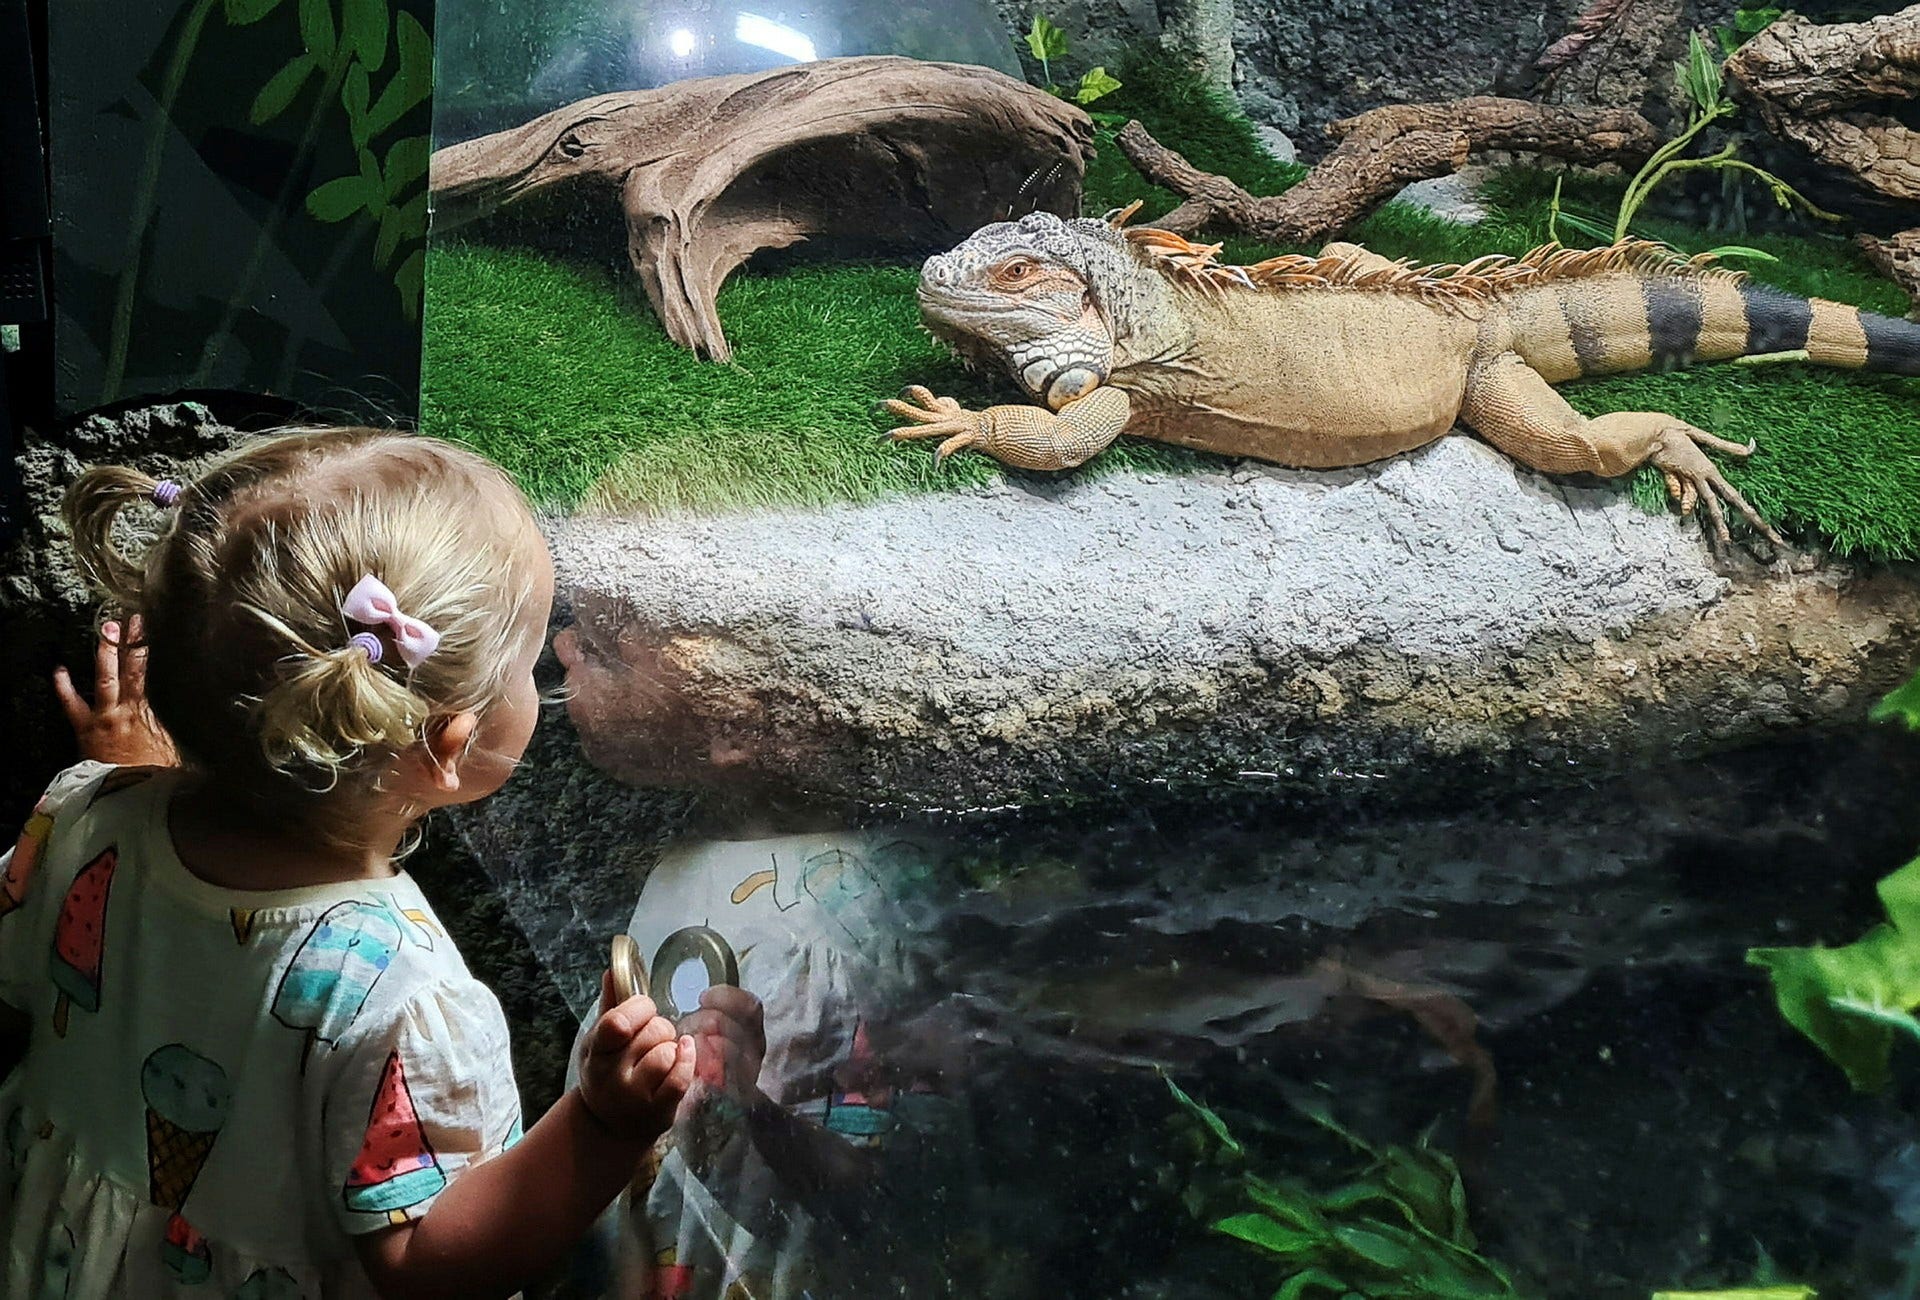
pixel 797 1156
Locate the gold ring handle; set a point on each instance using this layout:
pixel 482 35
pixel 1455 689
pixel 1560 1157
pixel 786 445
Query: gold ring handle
pixel 629 972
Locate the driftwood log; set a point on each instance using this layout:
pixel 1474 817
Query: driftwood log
pixel 1823 86
pixel 1380 153
pixel 893 153
pixel 1898 258
pixel 1827 87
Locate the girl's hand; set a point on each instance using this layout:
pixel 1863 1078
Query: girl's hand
pixel 118 727
pixel 634 1067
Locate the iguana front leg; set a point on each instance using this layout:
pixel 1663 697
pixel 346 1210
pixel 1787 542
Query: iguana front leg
pixel 1028 437
pixel 1512 407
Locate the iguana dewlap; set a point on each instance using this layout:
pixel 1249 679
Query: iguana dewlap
pixel 1346 357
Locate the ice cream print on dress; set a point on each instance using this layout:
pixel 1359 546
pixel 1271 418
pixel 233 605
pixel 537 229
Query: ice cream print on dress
pixel 78 937
pixel 334 970
pixel 396 1169
pixel 188 1098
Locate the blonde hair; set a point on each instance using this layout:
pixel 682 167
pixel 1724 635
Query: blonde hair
pixel 249 663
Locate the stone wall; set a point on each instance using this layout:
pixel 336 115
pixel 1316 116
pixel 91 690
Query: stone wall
pixel 1298 66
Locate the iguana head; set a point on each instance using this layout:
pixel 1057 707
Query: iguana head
pixel 1032 296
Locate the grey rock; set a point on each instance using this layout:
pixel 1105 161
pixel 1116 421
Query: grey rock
pixel 1443 616
pixel 1455 197
pixel 1278 144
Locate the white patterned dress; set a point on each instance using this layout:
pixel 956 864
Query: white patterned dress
pixel 222 1087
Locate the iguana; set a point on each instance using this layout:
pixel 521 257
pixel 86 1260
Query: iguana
pixel 1347 357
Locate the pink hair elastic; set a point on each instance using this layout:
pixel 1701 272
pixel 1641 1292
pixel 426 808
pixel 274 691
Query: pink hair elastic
pixel 166 493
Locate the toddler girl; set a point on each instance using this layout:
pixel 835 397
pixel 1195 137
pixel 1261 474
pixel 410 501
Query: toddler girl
pixel 257 1066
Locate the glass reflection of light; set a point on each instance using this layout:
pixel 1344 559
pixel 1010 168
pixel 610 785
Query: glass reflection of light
pixel 681 42
pixel 752 29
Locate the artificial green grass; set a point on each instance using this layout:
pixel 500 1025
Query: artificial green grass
pixel 556 368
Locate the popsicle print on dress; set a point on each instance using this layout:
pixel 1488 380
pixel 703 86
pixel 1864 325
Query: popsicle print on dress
pixel 331 975
pixel 396 1168
pixel 27 852
pixel 188 1098
pixel 77 939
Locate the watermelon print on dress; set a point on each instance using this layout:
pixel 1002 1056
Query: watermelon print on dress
pixel 77 939
pixel 396 1169
pixel 333 973
pixel 186 1253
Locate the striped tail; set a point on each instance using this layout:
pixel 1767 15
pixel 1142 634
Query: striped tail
pixel 1633 321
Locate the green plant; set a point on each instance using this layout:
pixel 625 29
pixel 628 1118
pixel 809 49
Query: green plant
pixel 1749 20
pixel 1397 1227
pixel 390 184
pixel 1853 1002
pixel 1047 43
pixel 1703 79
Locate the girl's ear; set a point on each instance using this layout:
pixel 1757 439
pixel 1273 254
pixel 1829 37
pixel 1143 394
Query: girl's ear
pixel 446 744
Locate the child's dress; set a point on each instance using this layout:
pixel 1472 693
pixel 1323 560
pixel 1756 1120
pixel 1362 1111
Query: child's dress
pixel 222 1086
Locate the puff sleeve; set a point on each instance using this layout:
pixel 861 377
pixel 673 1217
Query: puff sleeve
pixel 25 898
pixel 419 1101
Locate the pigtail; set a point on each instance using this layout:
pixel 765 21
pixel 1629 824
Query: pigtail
pixel 90 507
pixel 330 706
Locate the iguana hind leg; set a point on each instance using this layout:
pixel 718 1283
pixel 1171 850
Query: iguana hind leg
pixel 1516 410
pixel 1029 437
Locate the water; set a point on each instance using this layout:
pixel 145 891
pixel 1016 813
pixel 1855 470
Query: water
pixel 1552 985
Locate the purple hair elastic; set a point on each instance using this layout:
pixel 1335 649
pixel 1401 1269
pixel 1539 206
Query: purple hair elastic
pixel 370 643
pixel 166 493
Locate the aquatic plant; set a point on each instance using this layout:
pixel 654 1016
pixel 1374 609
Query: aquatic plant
pixel 1047 43
pixel 1397 1227
pixel 1853 1002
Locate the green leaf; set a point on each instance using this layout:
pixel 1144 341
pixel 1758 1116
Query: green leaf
pixel 363 24
pixel 412 80
pixel 244 12
pixel 1378 1247
pixel 1263 1232
pixel 1741 250
pixel 279 92
pixel 1298 1285
pixel 1700 75
pixel 410 280
pixel 388 239
pixel 1850 1001
pixel 1287 1203
pixel 1213 1122
pixel 1902 705
pixel 1045 40
pixel 316 29
pixel 1094 84
pixel 341 198
pixel 1754 21
pixel 1743 1293
pixel 398 226
pixel 353 97
pixel 406 163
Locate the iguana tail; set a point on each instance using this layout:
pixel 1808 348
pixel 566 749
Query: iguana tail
pixel 1632 320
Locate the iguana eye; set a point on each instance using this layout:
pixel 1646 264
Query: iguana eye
pixel 1017 270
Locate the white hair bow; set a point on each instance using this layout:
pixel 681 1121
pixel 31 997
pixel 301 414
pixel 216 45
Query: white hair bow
pixel 371 602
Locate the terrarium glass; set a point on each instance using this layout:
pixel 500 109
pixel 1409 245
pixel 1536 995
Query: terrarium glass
pixel 501 64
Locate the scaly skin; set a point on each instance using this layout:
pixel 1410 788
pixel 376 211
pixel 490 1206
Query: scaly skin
pixel 1348 358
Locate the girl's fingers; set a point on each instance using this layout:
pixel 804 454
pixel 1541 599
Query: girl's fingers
pixel 78 714
pixel 133 663
pixel 680 1078
pixel 656 1063
pixel 106 667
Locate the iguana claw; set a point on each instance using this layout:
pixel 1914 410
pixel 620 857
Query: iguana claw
pixel 1694 480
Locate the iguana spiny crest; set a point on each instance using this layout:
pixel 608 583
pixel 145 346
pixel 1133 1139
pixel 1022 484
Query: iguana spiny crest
pixel 1348 357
